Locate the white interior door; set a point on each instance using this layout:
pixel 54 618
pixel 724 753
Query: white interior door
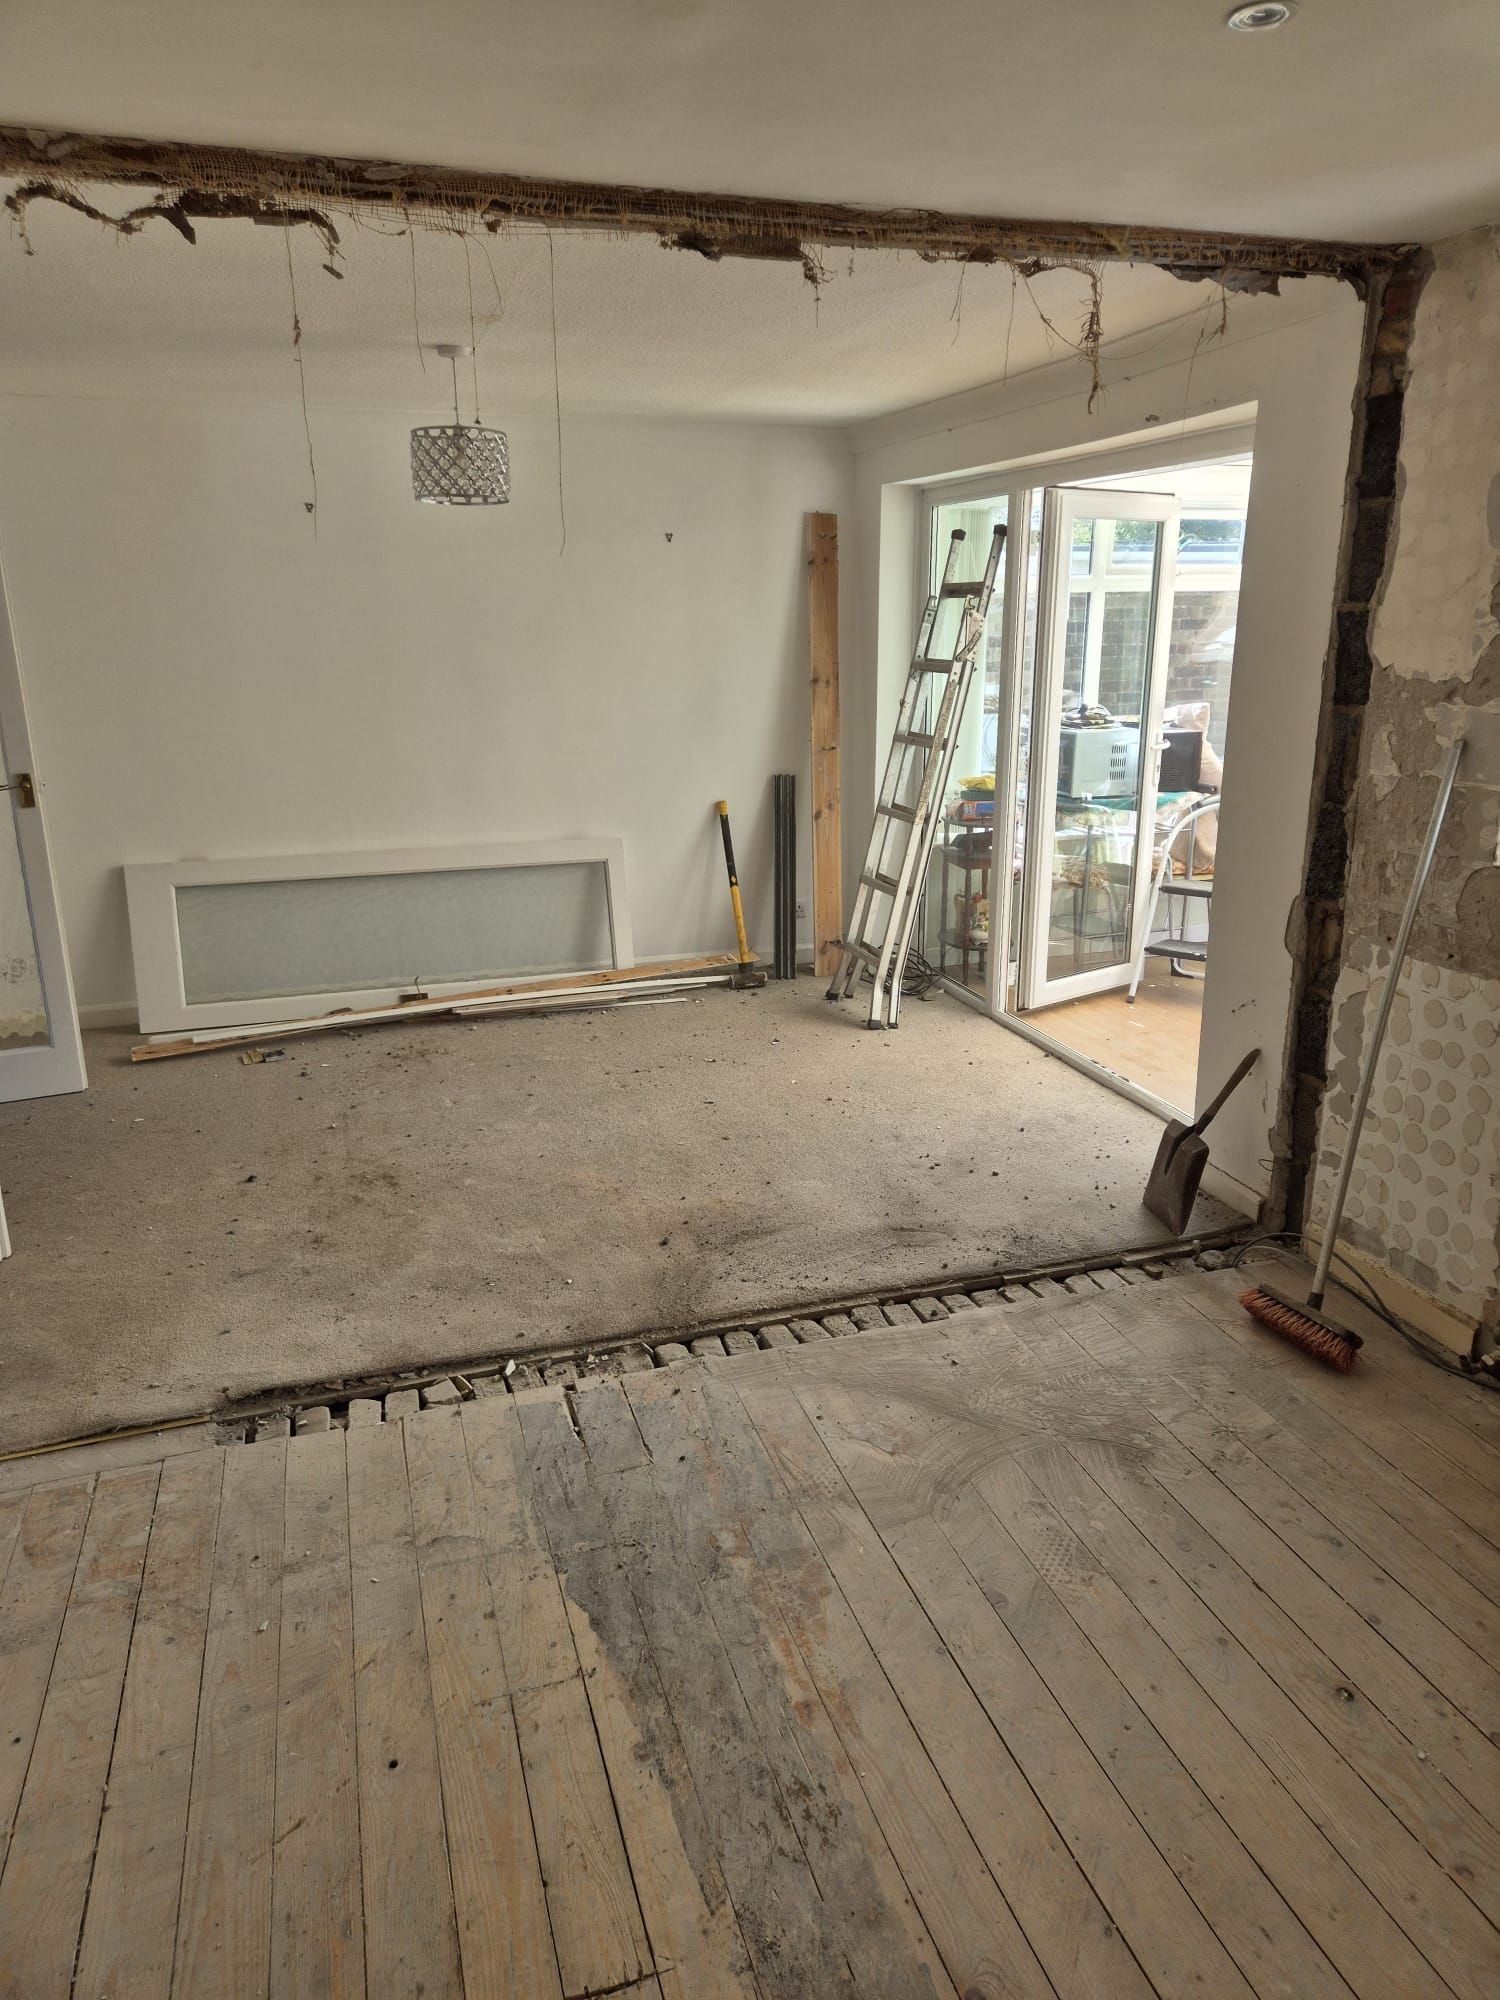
pixel 1104 631
pixel 41 1054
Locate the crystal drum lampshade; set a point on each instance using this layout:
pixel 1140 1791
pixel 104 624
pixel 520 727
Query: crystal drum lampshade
pixel 460 465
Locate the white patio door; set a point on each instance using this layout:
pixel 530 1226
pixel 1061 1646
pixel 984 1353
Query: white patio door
pixel 1104 630
pixel 41 1054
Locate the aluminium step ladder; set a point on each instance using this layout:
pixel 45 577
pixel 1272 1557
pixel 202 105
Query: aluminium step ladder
pixel 914 786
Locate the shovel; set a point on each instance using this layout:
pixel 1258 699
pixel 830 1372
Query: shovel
pixel 1182 1156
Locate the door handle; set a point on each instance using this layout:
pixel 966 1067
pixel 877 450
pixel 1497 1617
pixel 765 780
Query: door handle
pixel 23 788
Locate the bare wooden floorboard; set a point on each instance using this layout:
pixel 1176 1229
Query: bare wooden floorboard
pixel 1397 1473
pixel 505 1940
pixel 131 1924
pixel 1449 1932
pixel 1380 1516
pixel 1347 1920
pixel 37 1582
pixel 1066 1925
pixel 1174 1946
pixel 868 1906
pixel 224 1917
pixel 45 1881
pixel 1363 1650
pixel 983 1948
pixel 597 1924
pixel 1336 1685
pixel 1259 1929
pixel 1080 1647
pixel 12 1508
pixel 87 1461
pixel 411 1933
pixel 317 1908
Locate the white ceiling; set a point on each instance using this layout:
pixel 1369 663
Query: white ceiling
pixel 1369 119
pixel 640 329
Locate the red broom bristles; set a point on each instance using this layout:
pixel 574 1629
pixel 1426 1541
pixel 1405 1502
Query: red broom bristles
pixel 1320 1341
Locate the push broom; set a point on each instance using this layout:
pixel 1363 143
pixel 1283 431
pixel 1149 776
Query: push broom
pixel 1305 1321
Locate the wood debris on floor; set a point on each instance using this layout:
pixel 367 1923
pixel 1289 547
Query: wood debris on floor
pixel 1088 1645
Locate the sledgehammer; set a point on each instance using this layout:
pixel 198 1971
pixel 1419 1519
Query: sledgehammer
pixel 745 974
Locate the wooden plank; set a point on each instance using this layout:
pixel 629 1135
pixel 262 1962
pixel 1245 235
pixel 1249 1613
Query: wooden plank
pixel 1369 1628
pixel 1390 1522
pixel 12 1508
pixel 1169 1938
pixel 823 649
pixel 597 1924
pixel 1068 1928
pixel 1461 1675
pixel 865 1903
pixel 1262 1934
pixel 1441 1923
pixel 1340 1682
pixel 132 1907
pixel 1347 1921
pixel 209 1039
pixel 37 1582
pixel 224 1918
pixel 690 1920
pixel 1294 1389
pixel 46 1878
pixel 981 1945
pixel 107 1454
pixel 317 1914
pixel 411 1939
pixel 533 1626
pixel 505 1940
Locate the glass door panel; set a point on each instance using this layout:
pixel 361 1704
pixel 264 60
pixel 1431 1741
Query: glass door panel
pixel 1107 566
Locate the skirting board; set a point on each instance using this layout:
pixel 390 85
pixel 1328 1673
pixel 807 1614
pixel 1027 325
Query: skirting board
pixel 1408 1301
pixel 156 941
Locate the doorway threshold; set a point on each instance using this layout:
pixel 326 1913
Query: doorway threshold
pixel 1085 1065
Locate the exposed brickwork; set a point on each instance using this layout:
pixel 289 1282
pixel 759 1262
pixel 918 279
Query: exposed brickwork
pixel 1316 933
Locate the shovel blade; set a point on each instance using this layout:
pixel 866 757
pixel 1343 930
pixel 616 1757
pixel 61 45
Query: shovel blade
pixel 1175 1175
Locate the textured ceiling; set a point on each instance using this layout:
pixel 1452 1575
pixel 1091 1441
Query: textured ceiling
pixel 639 329
pixel 1367 119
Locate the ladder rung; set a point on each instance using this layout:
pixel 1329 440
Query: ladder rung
pixel 907 813
pixel 932 666
pixel 961 589
pixel 922 736
pixel 878 881
pixel 1193 954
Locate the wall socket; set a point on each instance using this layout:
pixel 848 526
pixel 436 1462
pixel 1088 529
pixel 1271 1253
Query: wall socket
pixel 802 909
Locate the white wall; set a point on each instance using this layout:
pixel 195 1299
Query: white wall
pixel 1292 363
pixel 207 677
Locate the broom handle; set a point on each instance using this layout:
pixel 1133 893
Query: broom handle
pixel 1382 1015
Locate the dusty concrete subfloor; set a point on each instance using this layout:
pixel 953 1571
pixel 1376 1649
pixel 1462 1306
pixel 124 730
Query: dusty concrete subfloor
pixel 194 1229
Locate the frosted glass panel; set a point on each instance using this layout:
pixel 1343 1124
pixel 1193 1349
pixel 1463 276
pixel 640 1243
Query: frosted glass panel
pixel 357 933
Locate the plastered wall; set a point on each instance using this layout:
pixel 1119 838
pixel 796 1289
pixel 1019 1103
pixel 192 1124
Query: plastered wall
pixel 1291 365
pixel 208 677
pixel 1425 1193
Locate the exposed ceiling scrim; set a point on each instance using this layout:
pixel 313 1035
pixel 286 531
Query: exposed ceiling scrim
pixel 184 186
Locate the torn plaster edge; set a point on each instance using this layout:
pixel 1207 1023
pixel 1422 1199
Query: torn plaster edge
pixel 1460 1333
pixel 1314 925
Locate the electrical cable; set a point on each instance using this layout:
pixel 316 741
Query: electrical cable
pixel 1361 1290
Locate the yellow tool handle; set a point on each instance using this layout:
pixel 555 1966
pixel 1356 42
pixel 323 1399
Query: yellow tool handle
pixel 741 941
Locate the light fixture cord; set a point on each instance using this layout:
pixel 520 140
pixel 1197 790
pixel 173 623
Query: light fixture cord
pixel 457 419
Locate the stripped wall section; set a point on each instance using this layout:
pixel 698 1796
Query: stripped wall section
pixel 1426 1189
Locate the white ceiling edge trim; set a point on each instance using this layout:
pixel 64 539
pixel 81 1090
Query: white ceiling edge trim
pixel 1163 348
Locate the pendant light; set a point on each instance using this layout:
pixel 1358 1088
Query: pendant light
pixel 459 464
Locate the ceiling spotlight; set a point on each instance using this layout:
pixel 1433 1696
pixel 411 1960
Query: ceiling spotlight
pixel 1262 16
